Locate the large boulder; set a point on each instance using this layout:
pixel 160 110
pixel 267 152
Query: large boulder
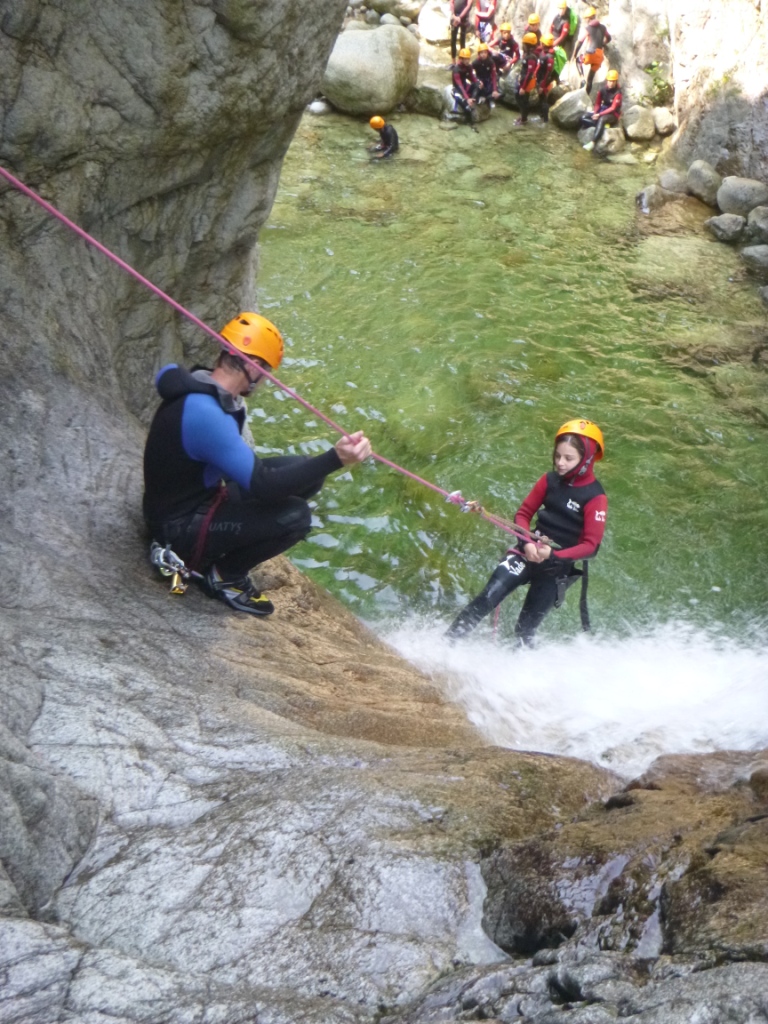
pixel 741 195
pixel 674 181
pixel 703 182
pixel 728 227
pixel 398 8
pixel 371 72
pixel 639 124
pixel 757 225
pixel 434 22
pixel 568 111
pixel 664 120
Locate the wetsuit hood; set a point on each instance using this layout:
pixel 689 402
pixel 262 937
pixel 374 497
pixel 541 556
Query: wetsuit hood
pixel 174 382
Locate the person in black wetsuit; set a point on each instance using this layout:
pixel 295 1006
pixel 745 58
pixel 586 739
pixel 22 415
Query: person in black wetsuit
pixel 388 142
pixel 607 109
pixel 529 67
pixel 486 73
pixel 560 28
pixel 206 494
pixel 460 11
pixel 504 48
pixel 572 510
pixel 546 78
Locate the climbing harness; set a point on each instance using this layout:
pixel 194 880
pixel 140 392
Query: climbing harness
pixel 171 564
pixel 168 563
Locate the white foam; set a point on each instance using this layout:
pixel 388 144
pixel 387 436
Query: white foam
pixel 615 702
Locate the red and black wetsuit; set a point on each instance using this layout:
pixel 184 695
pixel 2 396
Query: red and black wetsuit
pixel 529 66
pixel 572 513
pixel 509 49
pixel 465 86
pixel 545 79
pixel 561 27
pixel 607 110
pixel 487 76
pixel 460 9
pixel 389 140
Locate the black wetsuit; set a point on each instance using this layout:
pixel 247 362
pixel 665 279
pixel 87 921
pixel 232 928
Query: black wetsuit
pixel 564 509
pixel 487 76
pixel 545 80
pixel 389 141
pixel 195 442
pixel 460 9
pixel 465 87
pixel 607 111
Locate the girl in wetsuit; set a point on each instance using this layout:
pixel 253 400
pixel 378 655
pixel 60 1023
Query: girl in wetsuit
pixel 572 509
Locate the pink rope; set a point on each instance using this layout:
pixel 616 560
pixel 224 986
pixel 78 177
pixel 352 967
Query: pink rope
pixel 230 348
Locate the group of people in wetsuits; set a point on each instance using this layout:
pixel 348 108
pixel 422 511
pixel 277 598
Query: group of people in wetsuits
pixel 537 61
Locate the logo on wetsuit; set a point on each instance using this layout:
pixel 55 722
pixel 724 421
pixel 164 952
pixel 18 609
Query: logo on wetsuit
pixel 574 506
pixel 599 517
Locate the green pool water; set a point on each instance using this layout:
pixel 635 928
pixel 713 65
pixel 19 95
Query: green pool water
pixel 461 301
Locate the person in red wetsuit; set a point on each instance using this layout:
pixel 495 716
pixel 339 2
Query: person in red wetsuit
pixel 607 109
pixel 546 78
pixel 529 67
pixel 594 40
pixel 465 86
pixel 534 26
pixel 485 19
pixel 572 509
pixel 487 76
pixel 560 28
pixel 506 52
pixel 460 10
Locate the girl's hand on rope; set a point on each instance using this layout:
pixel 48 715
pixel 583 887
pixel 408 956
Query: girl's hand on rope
pixel 536 553
pixel 352 449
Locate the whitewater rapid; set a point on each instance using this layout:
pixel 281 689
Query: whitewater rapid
pixel 619 703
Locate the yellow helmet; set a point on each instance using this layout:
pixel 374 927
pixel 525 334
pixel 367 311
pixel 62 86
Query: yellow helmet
pixel 612 76
pixel 563 5
pixel 534 19
pixel 530 39
pixel 548 40
pixel 377 123
pixel 506 27
pixel 255 336
pixel 483 48
pixel 584 428
pixel 590 12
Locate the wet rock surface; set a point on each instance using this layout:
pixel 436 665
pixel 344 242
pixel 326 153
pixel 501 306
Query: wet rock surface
pixel 371 72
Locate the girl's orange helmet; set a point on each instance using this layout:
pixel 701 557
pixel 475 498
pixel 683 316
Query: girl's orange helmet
pixel 584 428
pixel 255 336
pixel 377 123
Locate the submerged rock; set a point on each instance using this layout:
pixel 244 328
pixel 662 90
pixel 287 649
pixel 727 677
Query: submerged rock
pixel 371 72
pixel 728 227
pixel 703 182
pixel 652 197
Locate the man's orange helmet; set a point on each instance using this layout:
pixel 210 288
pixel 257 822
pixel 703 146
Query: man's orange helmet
pixel 255 336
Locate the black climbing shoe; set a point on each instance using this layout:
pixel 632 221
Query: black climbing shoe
pixel 239 594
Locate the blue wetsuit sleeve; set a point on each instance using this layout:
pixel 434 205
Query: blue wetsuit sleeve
pixel 211 435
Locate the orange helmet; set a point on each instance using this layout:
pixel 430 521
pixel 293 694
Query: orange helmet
pixel 377 123
pixel 534 19
pixel 465 54
pixel 255 336
pixel 530 39
pixel 584 428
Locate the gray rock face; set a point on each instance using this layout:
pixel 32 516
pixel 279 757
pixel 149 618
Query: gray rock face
pixel 728 227
pixel 741 195
pixel 703 182
pixel 611 142
pixel 399 8
pixel 664 121
pixel 674 181
pixel 371 72
pixel 756 259
pixel 652 197
pixel 568 111
pixel 757 225
pixel 639 124
pixel 434 23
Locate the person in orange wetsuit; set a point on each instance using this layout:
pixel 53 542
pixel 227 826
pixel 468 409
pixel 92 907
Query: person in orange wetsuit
pixel 572 509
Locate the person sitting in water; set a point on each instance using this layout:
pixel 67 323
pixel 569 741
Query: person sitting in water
pixel 572 509
pixel 529 67
pixel 594 40
pixel 465 86
pixel 206 494
pixel 487 76
pixel 388 142
pixel 485 19
pixel 546 76
pixel 607 109
pixel 504 46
